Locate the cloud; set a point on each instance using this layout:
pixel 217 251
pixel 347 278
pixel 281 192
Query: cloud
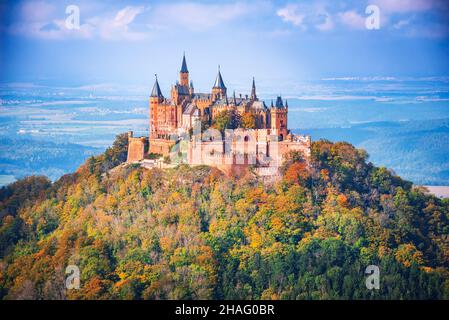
pixel 46 20
pixel 291 14
pixel 307 16
pixel 352 19
pixel 416 18
pixel 118 27
pixel 197 16
pixel 43 20
pixel 127 15
pixel 401 24
pixel 327 24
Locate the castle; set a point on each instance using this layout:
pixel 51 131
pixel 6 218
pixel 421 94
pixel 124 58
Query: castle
pixel 192 128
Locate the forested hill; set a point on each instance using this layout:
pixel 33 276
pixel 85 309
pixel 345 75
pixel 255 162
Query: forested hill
pixel 193 233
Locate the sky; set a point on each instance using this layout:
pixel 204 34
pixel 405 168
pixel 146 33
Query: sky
pixel 128 42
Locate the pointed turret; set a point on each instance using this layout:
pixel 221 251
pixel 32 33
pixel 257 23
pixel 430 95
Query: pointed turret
pixel 253 91
pixel 286 104
pixel 219 88
pixel 184 64
pixel 156 92
pixel 156 98
pixel 279 103
pixel 219 84
pixel 184 73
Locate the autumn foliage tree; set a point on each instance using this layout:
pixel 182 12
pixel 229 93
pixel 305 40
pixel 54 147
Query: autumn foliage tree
pixel 194 233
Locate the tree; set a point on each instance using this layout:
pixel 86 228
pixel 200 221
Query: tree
pixel 227 119
pixel 248 120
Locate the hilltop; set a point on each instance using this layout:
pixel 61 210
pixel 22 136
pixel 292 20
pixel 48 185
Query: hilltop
pixel 195 233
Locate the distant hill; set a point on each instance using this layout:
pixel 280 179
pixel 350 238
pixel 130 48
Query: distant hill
pixel 194 233
pixel 21 157
pixel 417 150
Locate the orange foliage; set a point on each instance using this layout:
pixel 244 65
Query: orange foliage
pixel 342 200
pixel 297 172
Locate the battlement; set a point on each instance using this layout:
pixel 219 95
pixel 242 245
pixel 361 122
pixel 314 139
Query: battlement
pixel 137 147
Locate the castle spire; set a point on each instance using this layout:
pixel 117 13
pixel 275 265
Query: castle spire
pixel 279 103
pixel 184 73
pixel 184 64
pixel 253 91
pixel 219 84
pixel 156 92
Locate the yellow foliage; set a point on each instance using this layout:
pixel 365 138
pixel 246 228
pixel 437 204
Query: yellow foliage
pixel 408 254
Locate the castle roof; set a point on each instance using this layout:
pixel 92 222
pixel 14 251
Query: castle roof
pixel 220 102
pixel 279 103
pixel 239 101
pixel 190 109
pixel 202 96
pixel 219 81
pixel 259 105
pixel 183 90
pixel 184 65
pixel 156 92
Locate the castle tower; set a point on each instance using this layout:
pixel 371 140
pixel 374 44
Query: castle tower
pixel 279 118
pixel 219 88
pixel 191 89
pixel 156 98
pixel 184 73
pixel 253 91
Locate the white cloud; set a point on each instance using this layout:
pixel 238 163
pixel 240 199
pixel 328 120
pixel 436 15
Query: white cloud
pixel 45 20
pixel 117 28
pixel 401 23
pixel 198 16
pixel 42 20
pixel 327 25
pixel 127 15
pixel 292 14
pixel 307 16
pixel 352 19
